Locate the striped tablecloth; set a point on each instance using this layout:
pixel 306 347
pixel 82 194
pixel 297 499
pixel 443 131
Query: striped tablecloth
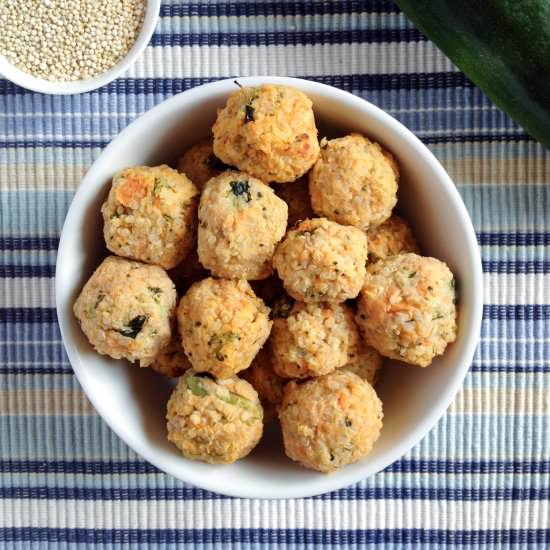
pixel 481 476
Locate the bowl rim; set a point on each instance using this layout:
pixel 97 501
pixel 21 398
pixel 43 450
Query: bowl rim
pixel 36 84
pixel 346 477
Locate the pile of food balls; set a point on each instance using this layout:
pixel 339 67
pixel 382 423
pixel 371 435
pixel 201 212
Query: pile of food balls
pixel 269 274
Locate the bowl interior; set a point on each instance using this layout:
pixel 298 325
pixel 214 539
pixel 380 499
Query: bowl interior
pixel 133 400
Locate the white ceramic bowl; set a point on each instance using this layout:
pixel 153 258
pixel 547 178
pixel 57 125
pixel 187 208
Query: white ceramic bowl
pixel 132 400
pixel 26 80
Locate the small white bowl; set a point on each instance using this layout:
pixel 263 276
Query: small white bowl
pixel 26 80
pixel 132 400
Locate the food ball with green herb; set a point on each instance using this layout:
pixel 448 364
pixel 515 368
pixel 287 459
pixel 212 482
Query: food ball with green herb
pixel 296 196
pixel 407 309
pixel 322 261
pixel 312 339
pixel 365 362
pixel 241 220
pixel 392 237
pixel 217 421
pixel 150 215
pixel 199 163
pixel 126 309
pixel 354 182
pixel 223 325
pixel 171 360
pixel 330 421
pixel 268 131
pixel 265 381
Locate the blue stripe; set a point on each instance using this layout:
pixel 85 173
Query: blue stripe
pixel 515 368
pixel 511 137
pixel 285 8
pixel 226 536
pixel 365 82
pixel 531 312
pixel 13 271
pixel 28 243
pixel 513 239
pixel 349 493
pixel 404 466
pixel 289 38
pixel 492 266
pixel 484 239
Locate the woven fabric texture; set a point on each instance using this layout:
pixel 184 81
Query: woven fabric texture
pixel 482 475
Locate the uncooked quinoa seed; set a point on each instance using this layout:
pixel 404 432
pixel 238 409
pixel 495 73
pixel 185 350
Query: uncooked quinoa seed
pixel 62 40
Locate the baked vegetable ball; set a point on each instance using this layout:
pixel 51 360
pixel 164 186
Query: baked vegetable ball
pixel 392 237
pixel 268 131
pixel 217 421
pixel 150 215
pixel 296 196
pixel 330 421
pixel 199 163
pixel 354 182
pixel 126 308
pixel 321 260
pixel 223 325
pixel 241 220
pixel 171 361
pixel 265 381
pixel 312 339
pixel 406 308
pixel 365 362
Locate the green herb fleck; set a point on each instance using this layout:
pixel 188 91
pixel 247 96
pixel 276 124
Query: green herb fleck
pixel 241 189
pixel 411 275
pixel 248 113
pixel 219 341
pixel 348 422
pixel 159 184
pixel 134 326
pixel 156 292
pixel 99 299
pixel 196 387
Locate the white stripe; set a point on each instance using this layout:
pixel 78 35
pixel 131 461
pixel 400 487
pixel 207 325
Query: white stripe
pixel 282 514
pixel 512 289
pixel 302 60
pixel 498 288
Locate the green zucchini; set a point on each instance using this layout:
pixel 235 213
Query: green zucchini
pixel 503 46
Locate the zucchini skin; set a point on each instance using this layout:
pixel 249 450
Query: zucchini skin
pixel 503 46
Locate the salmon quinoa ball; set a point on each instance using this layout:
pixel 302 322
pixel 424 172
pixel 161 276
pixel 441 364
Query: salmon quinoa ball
pixel 223 325
pixel 296 196
pixel 312 339
pixel 321 260
pixel 241 220
pixel 330 421
pixel 365 362
pixel 150 215
pixel 126 308
pixel 199 163
pixel 268 131
pixel 354 182
pixel 217 421
pixel 407 309
pixel 392 237
pixel 171 361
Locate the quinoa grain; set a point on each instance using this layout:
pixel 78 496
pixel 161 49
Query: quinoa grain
pixel 65 40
